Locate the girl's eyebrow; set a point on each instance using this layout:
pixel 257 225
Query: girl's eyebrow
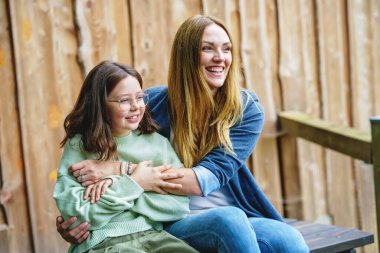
pixel 212 43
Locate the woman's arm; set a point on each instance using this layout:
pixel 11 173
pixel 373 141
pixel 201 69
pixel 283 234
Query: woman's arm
pixel 222 164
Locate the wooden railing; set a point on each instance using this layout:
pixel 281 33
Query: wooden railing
pixel 357 144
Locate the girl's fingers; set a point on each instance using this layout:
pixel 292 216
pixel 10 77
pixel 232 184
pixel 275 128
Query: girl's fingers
pixel 99 190
pixel 87 191
pixel 93 193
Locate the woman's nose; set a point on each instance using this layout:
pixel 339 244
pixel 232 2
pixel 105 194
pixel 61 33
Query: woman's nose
pixel 219 56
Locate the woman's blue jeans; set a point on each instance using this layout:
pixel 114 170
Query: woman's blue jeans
pixel 229 230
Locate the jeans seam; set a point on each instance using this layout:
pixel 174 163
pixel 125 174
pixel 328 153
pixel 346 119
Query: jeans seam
pixel 266 243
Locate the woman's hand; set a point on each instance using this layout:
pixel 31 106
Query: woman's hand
pixel 95 191
pixel 153 178
pixel 76 235
pixel 91 171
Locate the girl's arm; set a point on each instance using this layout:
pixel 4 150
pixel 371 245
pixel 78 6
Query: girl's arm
pixel 68 193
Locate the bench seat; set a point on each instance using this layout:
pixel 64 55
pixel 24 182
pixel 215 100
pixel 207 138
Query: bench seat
pixel 326 238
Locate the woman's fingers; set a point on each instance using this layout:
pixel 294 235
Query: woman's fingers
pixel 164 168
pixel 84 237
pixel 170 185
pixel 172 175
pixel 76 167
pixel 159 190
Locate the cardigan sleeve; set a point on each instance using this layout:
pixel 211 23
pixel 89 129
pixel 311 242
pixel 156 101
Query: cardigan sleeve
pixel 244 136
pixel 68 193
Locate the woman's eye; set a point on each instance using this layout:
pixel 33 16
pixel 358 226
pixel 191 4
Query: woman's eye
pixel 227 49
pixel 206 48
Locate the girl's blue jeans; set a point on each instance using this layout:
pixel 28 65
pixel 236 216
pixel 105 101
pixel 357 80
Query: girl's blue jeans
pixel 229 230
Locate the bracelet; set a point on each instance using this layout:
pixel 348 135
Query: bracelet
pixel 125 168
pixel 129 167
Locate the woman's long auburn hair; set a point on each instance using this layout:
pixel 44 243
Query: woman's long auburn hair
pixel 200 120
pixel 89 116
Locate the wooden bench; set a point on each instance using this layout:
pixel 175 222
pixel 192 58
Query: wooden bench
pixel 358 145
pixel 323 238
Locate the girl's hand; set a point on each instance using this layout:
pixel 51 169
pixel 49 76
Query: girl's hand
pixel 95 191
pixel 91 171
pixel 153 178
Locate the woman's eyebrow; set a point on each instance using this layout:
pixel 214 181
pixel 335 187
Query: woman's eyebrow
pixel 212 43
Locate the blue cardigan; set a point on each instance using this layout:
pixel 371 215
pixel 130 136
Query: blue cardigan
pixel 230 169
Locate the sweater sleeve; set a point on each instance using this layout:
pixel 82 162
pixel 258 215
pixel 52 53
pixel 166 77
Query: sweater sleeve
pixel 68 193
pixel 244 136
pixel 159 207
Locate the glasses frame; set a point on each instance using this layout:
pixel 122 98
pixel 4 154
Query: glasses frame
pixel 132 100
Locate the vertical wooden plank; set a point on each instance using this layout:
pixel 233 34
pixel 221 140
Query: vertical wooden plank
pixel 260 56
pixel 152 37
pixel 363 82
pixel 335 98
pixel 298 74
pixel 4 239
pixel 104 32
pixel 13 186
pixel 47 77
pixel 375 130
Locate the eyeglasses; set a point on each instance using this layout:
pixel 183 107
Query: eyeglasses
pixel 126 103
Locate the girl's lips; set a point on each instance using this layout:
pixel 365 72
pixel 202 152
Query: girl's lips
pixel 133 119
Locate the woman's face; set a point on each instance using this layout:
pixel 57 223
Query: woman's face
pixel 125 106
pixel 216 56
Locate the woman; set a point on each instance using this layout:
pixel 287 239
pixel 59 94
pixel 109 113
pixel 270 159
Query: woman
pixel 214 127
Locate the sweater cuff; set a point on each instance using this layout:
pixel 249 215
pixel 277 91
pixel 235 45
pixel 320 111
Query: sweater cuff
pixel 125 185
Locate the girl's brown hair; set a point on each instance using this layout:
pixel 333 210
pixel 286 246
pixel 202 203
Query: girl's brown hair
pixel 89 116
pixel 200 120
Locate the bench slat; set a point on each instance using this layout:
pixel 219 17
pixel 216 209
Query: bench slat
pixel 326 238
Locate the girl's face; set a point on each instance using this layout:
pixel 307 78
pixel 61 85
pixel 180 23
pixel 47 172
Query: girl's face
pixel 125 106
pixel 216 56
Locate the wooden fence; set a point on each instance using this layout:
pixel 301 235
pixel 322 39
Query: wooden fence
pixel 320 57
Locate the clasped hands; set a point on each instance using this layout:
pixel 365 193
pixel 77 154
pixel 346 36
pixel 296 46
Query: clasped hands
pixel 93 174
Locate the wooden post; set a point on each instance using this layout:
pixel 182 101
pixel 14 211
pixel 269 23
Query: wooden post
pixel 375 126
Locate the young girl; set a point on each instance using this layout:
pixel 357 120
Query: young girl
pixel 109 122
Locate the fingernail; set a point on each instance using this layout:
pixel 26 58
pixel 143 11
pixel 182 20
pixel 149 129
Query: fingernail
pixel 88 226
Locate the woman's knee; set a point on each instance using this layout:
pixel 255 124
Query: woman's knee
pixel 276 236
pixel 232 219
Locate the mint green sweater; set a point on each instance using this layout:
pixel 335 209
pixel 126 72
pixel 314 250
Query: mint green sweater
pixel 125 208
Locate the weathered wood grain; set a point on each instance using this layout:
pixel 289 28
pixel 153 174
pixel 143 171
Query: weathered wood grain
pixel 334 75
pixel 48 77
pixel 259 56
pixel 13 198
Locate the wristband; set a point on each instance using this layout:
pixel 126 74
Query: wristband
pixel 125 168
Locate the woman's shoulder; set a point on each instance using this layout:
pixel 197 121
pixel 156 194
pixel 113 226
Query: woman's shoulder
pixel 157 91
pixel 251 100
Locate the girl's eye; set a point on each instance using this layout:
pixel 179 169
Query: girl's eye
pixel 124 100
pixel 140 97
